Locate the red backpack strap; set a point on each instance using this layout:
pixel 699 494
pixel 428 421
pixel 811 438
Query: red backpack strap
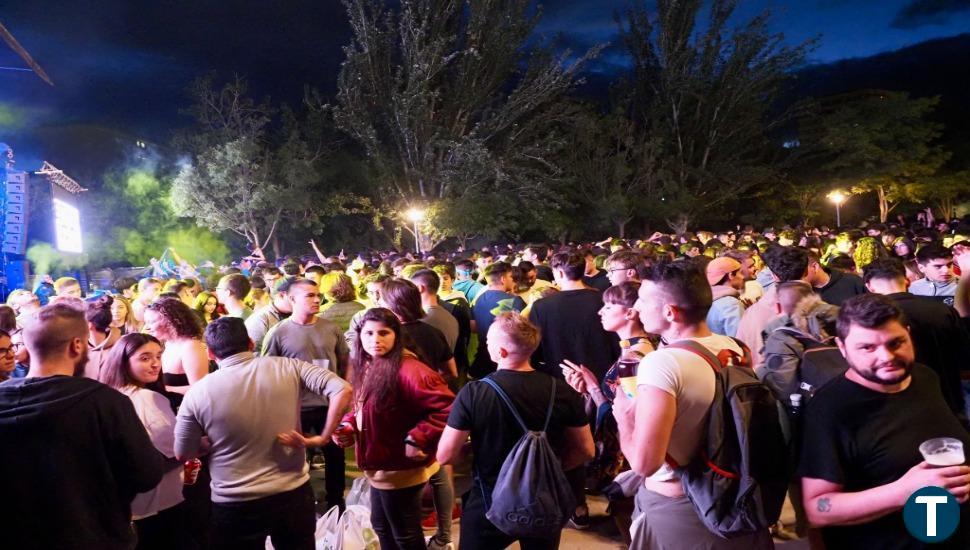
pixel 700 350
pixel 716 362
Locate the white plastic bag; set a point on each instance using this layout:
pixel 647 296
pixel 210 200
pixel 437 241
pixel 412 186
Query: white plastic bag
pixel 359 494
pixel 328 533
pixel 356 531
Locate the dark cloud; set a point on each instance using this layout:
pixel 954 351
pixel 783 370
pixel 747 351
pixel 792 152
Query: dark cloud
pixel 919 13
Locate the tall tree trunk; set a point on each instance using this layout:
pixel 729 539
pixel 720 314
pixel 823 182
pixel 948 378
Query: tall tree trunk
pixel 883 204
pixel 276 246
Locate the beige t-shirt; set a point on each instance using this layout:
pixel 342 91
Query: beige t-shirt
pixel 690 379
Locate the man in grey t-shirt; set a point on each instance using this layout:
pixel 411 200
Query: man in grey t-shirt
pixel 265 318
pixel 247 409
pixel 428 283
pixel 311 338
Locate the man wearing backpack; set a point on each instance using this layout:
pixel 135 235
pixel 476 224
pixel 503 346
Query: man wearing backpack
pixel 665 422
pixel 479 411
pixel 805 322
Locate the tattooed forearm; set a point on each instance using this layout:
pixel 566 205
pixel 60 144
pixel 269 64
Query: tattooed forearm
pixel 824 505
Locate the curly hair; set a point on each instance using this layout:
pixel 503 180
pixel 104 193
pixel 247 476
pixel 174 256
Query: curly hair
pixel 868 250
pixel 184 321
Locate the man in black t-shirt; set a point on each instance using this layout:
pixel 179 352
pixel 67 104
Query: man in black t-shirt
pixel 570 324
pixel 593 276
pixel 939 335
pixel 834 286
pixel 860 457
pixel 478 411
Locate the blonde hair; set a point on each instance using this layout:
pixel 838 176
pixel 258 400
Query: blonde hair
pixel 65 282
pixel 521 334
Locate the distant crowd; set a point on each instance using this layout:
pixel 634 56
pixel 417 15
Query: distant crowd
pixel 186 409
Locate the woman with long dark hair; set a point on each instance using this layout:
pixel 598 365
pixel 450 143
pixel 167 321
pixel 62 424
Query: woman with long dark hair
pixel 206 307
pixel 133 368
pixel 400 408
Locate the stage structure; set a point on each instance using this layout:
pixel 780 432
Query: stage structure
pixel 52 197
pixel 67 217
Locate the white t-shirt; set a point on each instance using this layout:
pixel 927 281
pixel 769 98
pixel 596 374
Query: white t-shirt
pixel 159 420
pixel 690 379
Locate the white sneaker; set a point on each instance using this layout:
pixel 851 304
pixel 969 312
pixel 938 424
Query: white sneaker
pixel 433 544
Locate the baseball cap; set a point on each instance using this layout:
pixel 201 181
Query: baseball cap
pixel 719 267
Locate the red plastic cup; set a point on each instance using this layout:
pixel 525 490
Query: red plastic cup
pixel 190 471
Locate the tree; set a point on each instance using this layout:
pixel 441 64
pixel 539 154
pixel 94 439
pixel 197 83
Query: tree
pixel 707 96
pixel 946 191
pixel 150 226
pixel 449 103
pixel 247 179
pixel 615 171
pixel 881 142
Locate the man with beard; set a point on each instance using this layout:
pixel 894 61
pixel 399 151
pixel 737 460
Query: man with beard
pixel 860 457
pixel 75 452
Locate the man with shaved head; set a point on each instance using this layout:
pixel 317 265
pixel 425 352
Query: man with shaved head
pixel 75 452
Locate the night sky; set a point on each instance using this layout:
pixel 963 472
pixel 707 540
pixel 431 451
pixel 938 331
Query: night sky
pixel 126 63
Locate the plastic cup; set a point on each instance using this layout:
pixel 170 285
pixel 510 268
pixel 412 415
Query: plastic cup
pixel 627 375
pixel 942 451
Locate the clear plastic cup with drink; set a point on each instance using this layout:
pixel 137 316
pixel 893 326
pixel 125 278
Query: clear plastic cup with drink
pixel 942 451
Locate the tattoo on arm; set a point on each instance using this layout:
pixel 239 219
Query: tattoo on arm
pixel 824 505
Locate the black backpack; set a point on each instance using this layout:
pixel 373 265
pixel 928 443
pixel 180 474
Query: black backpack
pixel 531 496
pixel 738 482
pixel 820 363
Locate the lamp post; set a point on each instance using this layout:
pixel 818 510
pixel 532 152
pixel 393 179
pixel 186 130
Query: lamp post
pixel 416 215
pixel 838 198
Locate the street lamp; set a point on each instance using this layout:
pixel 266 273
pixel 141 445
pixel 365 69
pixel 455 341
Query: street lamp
pixel 838 198
pixel 416 215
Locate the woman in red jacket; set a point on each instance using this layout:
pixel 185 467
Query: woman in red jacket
pixel 401 407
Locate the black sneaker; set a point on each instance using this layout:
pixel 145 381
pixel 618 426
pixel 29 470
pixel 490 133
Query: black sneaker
pixel 316 462
pixel 578 522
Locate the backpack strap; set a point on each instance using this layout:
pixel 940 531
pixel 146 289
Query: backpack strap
pixel 716 362
pixel 700 350
pixel 552 402
pixel 508 402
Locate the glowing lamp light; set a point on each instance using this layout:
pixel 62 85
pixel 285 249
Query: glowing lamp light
pixel 838 197
pixel 415 215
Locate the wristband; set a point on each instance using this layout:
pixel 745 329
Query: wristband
pixel 411 442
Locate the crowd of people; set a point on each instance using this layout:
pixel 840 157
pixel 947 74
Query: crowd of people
pixel 187 411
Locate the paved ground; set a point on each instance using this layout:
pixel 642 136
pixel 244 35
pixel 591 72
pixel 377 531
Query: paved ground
pixel 602 534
